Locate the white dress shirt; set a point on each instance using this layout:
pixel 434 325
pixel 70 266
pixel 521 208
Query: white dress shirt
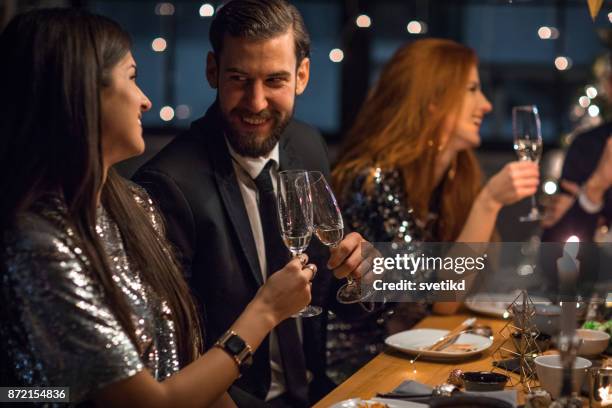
pixel 247 169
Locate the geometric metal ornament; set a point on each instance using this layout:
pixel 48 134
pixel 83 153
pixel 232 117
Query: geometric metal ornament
pixel 519 344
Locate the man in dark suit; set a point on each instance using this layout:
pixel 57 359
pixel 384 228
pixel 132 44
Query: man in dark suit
pixel 206 182
pixel 587 180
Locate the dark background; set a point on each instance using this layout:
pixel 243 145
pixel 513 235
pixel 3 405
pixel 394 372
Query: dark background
pixel 516 66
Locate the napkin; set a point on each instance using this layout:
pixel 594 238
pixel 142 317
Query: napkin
pixel 409 388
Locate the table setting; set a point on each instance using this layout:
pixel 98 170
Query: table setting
pixel 412 374
pixel 417 378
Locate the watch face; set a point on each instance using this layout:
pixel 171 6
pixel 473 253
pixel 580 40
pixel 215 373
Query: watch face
pixel 235 344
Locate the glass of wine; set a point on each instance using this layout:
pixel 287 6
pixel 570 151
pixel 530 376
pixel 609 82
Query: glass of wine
pixel 329 228
pixel 295 217
pixel 527 134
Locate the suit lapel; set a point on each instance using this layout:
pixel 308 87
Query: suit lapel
pixel 232 197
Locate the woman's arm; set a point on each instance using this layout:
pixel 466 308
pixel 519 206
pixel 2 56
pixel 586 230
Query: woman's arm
pixel 199 384
pixel 205 380
pixel 514 182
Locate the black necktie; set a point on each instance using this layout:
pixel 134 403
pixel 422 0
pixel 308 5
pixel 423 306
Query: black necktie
pixel 277 255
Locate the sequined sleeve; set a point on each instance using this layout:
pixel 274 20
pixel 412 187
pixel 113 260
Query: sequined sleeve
pixel 58 328
pixel 144 200
pixel 380 213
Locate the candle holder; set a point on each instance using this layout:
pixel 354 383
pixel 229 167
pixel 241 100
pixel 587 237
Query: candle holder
pixel 600 387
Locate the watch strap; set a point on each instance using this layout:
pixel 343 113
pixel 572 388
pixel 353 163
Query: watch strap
pixel 242 355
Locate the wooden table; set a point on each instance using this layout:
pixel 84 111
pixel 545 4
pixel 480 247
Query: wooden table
pixel 390 368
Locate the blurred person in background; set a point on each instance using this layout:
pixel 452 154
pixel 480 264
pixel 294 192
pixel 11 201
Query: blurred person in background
pixel 583 207
pixel 92 296
pixel 407 171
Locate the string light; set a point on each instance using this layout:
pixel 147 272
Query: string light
pixel 363 21
pixel 207 10
pixel 159 44
pixel 550 187
pixel 416 27
pixel 577 112
pixel 593 111
pixel 591 92
pixel 584 101
pixel 164 9
pixel 183 111
pixel 336 55
pixel 563 63
pixel 166 113
pixel 548 33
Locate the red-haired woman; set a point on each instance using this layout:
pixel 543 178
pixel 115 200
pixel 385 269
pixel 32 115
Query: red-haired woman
pixel 407 171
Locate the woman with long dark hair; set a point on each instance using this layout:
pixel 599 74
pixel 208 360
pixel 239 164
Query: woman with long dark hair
pixel 408 172
pixel 92 295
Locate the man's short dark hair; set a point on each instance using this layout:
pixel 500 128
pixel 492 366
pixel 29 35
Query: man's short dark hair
pixel 259 20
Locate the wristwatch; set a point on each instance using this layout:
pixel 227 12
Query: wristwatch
pixel 236 347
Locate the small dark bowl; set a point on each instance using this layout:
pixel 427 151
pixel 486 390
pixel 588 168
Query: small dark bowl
pixel 484 381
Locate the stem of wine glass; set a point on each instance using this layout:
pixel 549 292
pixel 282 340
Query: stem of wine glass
pixel 534 204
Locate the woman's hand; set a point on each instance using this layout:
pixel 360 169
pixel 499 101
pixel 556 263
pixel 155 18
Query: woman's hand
pixel 287 291
pixel 514 182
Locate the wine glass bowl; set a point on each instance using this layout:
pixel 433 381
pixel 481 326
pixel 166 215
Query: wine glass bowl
pixel 327 219
pixel 329 229
pixel 526 130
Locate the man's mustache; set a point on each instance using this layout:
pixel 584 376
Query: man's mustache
pixel 264 114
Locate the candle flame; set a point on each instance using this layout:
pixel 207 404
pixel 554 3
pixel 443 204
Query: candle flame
pixel 605 395
pixel 571 247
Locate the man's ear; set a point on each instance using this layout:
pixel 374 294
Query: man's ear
pixel 212 70
pixel 303 74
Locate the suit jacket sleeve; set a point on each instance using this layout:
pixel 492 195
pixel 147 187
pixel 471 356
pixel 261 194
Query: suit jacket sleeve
pixel 580 162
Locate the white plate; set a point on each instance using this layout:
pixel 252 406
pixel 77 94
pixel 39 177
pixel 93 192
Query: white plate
pixel 496 304
pixel 391 403
pixel 413 342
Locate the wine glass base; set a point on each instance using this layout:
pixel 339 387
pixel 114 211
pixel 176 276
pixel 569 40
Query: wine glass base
pixel 531 217
pixel 309 311
pixel 352 293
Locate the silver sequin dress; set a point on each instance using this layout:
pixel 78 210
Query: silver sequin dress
pixel 57 328
pixel 382 214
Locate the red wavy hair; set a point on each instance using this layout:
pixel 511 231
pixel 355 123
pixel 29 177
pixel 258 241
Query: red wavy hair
pixel 401 126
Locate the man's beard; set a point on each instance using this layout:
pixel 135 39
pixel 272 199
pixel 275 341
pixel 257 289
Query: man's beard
pixel 247 144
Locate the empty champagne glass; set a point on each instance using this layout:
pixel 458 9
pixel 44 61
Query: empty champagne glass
pixel 295 217
pixel 527 134
pixel 329 228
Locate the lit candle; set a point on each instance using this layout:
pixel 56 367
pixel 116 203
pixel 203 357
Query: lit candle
pixel 605 395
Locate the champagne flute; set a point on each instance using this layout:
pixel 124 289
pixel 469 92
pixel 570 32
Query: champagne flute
pixel 329 228
pixel 295 218
pixel 528 145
